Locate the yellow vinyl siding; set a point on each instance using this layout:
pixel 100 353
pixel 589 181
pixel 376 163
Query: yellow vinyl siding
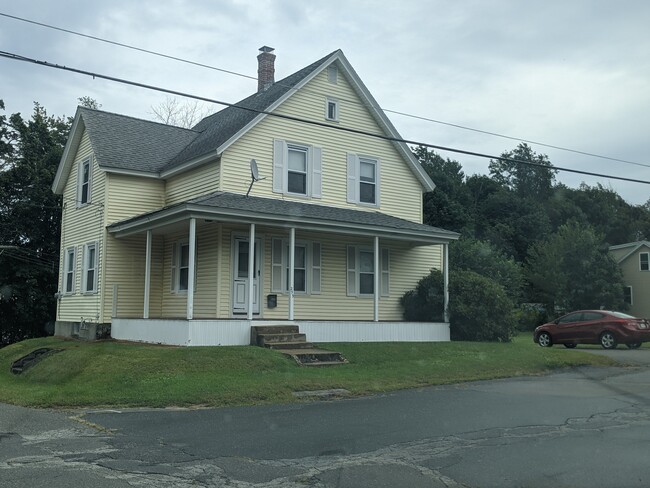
pixel 194 183
pixel 400 191
pixel 79 226
pixel 129 196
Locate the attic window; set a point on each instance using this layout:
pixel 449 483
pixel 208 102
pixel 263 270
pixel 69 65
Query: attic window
pixel 331 109
pixel 644 261
pixel 332 74
pixel 84 177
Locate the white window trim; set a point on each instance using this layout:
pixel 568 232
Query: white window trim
pixel 70 251
pixel 354 271
pixel 313 266
pixel 87 161
pixel 314 178
pixel 176 267
pixel 647 255
pixel 84 268
pixel 354 179
pixel 335 103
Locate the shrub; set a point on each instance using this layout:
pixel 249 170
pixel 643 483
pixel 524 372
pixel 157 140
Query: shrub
pixel 479 308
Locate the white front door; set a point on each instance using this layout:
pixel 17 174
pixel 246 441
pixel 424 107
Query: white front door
pixel 240 274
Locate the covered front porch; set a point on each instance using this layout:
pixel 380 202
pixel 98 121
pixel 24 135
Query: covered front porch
pixel 232 261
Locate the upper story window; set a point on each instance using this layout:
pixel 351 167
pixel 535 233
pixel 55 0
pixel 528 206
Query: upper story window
pixel 84 181
pixel 297 169
pixel 69 267
pixel 644 261
pixel 331 109
pixel 90 260
pixel 363 180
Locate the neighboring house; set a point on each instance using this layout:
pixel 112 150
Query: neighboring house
pixel 634 260
pixel 160 241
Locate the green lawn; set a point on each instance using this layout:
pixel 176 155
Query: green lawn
pixel 117 374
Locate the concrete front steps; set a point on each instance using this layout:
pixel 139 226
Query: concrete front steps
pixel 288 340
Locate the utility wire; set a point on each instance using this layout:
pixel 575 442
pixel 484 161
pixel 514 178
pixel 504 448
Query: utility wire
pixel 427 119
pixel 17 57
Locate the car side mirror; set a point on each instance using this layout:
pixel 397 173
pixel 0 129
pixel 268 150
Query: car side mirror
pixel 556 321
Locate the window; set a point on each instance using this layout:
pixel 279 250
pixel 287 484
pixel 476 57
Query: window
pixel 332 74
pixel 363 180
pixel 586 316
pixel 69 266
pixel 297 169
pixel 83 182
pixel 331 109
pixel 180 266
pixel 644 261
pixel 627 295
pixel 306 268
pixel 361 272
pixel 89 278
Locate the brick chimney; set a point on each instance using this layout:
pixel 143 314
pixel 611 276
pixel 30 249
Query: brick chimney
pixel 265 68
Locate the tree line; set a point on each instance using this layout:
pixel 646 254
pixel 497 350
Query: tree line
pixel 530 247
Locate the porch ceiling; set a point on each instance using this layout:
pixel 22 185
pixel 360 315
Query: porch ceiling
pixel 230 207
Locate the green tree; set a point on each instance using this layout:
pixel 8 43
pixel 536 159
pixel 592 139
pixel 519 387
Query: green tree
pixel 486 260
pixel 448 205
pixel 534 180
pixel 573 269
pixel 29 222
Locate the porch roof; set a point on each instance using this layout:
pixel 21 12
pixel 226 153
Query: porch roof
pixel 231 207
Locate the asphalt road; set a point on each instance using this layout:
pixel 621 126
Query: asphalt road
pixel 586 427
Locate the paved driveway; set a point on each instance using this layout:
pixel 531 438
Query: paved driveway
pixel 585 427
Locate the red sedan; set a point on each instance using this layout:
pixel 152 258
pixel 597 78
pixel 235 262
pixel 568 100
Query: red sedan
pixel 594 327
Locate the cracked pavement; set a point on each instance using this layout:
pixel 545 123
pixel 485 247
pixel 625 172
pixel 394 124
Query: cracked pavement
pixel 581 427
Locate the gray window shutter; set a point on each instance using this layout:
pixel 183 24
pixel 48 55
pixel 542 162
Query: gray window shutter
pixel 316 268
pixel 317 172
pixel 352 271
pixel 353 183
pixel 278 166
pixel 277 266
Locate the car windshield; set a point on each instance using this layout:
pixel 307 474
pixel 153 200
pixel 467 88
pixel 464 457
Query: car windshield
pixel 621 315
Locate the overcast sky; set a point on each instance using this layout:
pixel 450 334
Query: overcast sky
pixel 568 73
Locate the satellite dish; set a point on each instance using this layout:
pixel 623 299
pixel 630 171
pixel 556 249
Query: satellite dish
pixel 255 174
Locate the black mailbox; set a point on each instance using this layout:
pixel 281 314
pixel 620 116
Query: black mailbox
pixel 271 301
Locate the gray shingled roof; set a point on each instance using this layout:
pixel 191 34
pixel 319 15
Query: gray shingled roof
pixel 221 126
pixel 124 142
pixel 260 207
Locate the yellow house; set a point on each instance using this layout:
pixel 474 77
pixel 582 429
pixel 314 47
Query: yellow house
pixel 296 205
pixel 634 260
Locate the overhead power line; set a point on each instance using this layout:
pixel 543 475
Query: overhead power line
pixel 17 57
pixel 235 73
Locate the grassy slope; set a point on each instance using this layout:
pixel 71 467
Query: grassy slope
pixel 118 374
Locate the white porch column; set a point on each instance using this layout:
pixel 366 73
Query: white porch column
pixel 292 264
pixel 251 270
pixel 147 277
pixel 445 271
pixel 190 271
pixel 377 280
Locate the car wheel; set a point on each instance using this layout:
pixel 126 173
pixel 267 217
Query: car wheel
pixel 608 340
pixel 545 340
pixel 633 345
pixel 570 345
